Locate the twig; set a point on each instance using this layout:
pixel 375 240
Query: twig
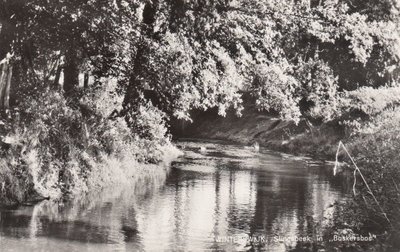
pixel 395 185
pixel 355 182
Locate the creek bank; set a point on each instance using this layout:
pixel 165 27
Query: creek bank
pixel 318 141
pixel 110 172
pixel 57 148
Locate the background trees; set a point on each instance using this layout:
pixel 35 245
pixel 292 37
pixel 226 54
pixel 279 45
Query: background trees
pixel 64 37
pixel 295 57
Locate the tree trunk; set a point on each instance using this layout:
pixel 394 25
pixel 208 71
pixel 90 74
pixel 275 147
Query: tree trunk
pixel 132 95
pixel 8 88
pixel 7 35
pixel 5 85
pixel 6 38
pixel 86 80
pixel 57 77
pixel 71 71
pixel 3 80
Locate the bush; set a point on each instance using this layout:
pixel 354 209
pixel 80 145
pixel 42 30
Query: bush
pixel 58 147
pixel 375 148
pixel 373 101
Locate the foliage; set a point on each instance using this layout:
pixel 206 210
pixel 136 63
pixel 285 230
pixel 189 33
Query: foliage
pixel 203 55
pixel 370 101
pixel 375 150
pixel 281 96
pixel 293 56
pixel 319 90
pixel 56 149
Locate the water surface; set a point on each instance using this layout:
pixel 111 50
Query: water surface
pixel 223 197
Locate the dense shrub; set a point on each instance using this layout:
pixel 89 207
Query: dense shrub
pixel 375 147
pixel 58 146
pixel 371 101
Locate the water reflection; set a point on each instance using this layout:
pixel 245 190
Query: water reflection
pixel 227 191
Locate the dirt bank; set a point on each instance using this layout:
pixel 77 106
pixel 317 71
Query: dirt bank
pixel 267 129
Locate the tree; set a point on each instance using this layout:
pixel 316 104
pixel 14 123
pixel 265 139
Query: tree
pixel 203 54
pixel 81 33
pixel 183 55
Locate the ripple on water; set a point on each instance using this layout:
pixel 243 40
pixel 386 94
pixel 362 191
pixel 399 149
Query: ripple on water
pixel 225 191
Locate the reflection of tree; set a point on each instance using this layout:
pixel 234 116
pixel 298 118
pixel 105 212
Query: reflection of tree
pixel 129 226
pixel 251 197
pixel 15 225
pixel 238 215
pixel 217 209
pixel 181 198
pixel 103 217
pixel 273 206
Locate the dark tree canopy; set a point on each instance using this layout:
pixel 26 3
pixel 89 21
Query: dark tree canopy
pixel 294 57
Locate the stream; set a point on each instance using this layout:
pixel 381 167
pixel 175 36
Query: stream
pixel 216 197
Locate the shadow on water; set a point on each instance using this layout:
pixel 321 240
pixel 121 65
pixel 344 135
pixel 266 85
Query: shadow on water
pixel 211 200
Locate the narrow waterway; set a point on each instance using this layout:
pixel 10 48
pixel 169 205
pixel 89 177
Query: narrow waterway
pixel 217 196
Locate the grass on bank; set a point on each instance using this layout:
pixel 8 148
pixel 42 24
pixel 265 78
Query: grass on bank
pixel 373 155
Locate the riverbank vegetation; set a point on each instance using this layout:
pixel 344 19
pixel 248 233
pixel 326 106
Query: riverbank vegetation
pixel 86 84
pixel 54 149
pixel 373 210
